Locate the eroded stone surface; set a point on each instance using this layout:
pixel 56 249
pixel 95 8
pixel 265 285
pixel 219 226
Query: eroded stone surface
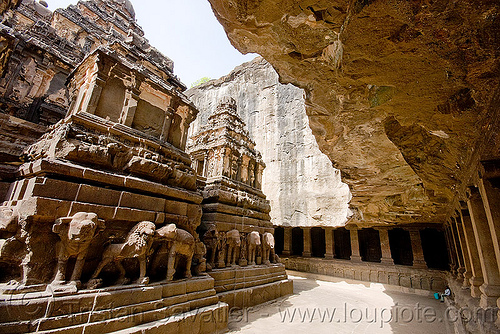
pixel 299 181
pixel 401 96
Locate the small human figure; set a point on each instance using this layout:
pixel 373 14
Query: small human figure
pixel 447 293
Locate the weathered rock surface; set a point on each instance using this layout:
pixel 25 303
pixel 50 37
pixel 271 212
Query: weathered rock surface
pixel 402 96
pixel 300 182
pixel 15 135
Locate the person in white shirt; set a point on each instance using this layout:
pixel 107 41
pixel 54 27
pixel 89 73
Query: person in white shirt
pixel 447 293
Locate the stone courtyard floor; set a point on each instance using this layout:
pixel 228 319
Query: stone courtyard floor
pixel 322 304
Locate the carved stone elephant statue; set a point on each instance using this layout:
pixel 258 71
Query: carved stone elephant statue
pixel 211 241
pixel 8 229
pixel 199 263
pixel 221 250
pixel 267 248
pixel 8 221
pixel 136 245
pixel 254 243
pixel 233 242
pixel 75 235
pixel 178 243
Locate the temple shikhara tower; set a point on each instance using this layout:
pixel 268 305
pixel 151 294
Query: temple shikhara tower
pixel 224 154
pixel 236 225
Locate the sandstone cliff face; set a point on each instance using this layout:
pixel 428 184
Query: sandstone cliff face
pixel 402 96
pixel 303 187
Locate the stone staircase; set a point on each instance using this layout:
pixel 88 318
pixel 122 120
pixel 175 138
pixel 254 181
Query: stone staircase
pixel 252 285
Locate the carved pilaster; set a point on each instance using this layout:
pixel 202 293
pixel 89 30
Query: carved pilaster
pixel 251 173
pixel 93 93
pixel 129 107
pixel 258 177
pixel 307 242
pixel 490 290
pixel 418 253
pixel 477 274
pixel 227 162
pixel 385 246
pixel 463 246
pixel 167 122
pixel 355 255
pixel 456 248
pixel 490 196
pixel 330 246
pixel 287 242
pixel 188 116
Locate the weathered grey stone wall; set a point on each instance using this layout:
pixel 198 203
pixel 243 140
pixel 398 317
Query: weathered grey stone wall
pixel 299 180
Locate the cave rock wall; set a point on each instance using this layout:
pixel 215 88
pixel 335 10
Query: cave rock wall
pixel 300 182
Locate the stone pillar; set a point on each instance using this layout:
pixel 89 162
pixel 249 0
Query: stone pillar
pixel 451 253
pixel 307 242
pixel 188 116
pixel 184 130
pixel 330 243
pixel 205 164
pixel 385 246
pixel 167 122
pixel 490 290
pixel 129 108
pixel 287 242
pixel 418 252
pixel 491 202
pixel 463 246
pixel 91 99
pixel 77 103
pixel 477 274
pixel 456 249
pixel 355 256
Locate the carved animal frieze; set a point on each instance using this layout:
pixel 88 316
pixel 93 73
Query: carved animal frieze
pixel 254 243
pixel 268 248
pixel 136 245
pixel 199 263
pixel 211 239
pixel 76 234
pixel 194 214
pixel 10 245
pixel 176 243
pixel 29 248
pixel 8 221
pixel 221 250
pixel 233 241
